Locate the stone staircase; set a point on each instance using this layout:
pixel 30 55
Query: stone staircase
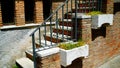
pixel 64 32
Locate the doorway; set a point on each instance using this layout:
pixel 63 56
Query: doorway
pixel 8 8
pixel 29 11
pixel 47 8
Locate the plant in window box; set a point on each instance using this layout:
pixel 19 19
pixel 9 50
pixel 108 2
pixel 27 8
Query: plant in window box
pixel 98 18
pixel 70 51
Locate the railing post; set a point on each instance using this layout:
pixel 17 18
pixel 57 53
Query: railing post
pixel 92 5
pixel 57 26
pixel 34 53
pixel 76 19
pixel 67 15
pixel 51 30
pixel 71 19
pixel 45 32
pixel 62 22
pixel 39 37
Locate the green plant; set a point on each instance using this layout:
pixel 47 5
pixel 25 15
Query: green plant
pixel 15 66
pixel 94 13
pixel 70 45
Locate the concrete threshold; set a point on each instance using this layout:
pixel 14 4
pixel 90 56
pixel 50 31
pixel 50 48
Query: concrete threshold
pixel 23 26
pixel 16 27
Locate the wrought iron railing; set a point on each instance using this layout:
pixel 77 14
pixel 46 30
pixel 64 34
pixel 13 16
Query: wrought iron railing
pixel 59 26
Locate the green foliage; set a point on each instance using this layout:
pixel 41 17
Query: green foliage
pixel 15 66
pixel 70 45
pixel 94 13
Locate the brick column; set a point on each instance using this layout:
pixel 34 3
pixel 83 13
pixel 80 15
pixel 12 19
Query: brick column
pixel 38 11
pixel 49 58
pixel 0 16
pixel 19 13
pixel 86 30
pixel 110 6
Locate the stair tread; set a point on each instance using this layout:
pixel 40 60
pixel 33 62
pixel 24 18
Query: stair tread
pixel 30 50
pixel 66 23
pixel 80 15
pixel 69 20
pixel 65 32
pixel 63 28
pixel 88 7
pixel 48 43
pixel 25 62
pixel 77 13
pixel 86 1
pixel 54 35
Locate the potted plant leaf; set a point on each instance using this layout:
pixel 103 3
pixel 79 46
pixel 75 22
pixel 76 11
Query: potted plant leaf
pixel 98 18
pixel 69 51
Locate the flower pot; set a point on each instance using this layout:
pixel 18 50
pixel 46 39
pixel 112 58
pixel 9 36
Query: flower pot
pixel 67 56
pixel 99 20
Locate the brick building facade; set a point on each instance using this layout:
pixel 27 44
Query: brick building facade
pixel 104 43
pixel 21 12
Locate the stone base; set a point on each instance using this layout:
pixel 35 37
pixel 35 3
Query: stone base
pixel 49 58
pixel 51 61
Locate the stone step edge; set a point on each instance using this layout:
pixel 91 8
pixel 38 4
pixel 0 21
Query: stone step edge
pixel 24 63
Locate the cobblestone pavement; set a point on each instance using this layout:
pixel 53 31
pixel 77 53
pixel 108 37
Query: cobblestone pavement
pixel 113 63
pixel 10 45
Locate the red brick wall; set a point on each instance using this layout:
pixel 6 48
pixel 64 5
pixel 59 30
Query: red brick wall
pixel 38 11
pixel 110 6
pixel 19 13
pixel 86 30
pixel 104 48
pixel 57 4
pixel 0 16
